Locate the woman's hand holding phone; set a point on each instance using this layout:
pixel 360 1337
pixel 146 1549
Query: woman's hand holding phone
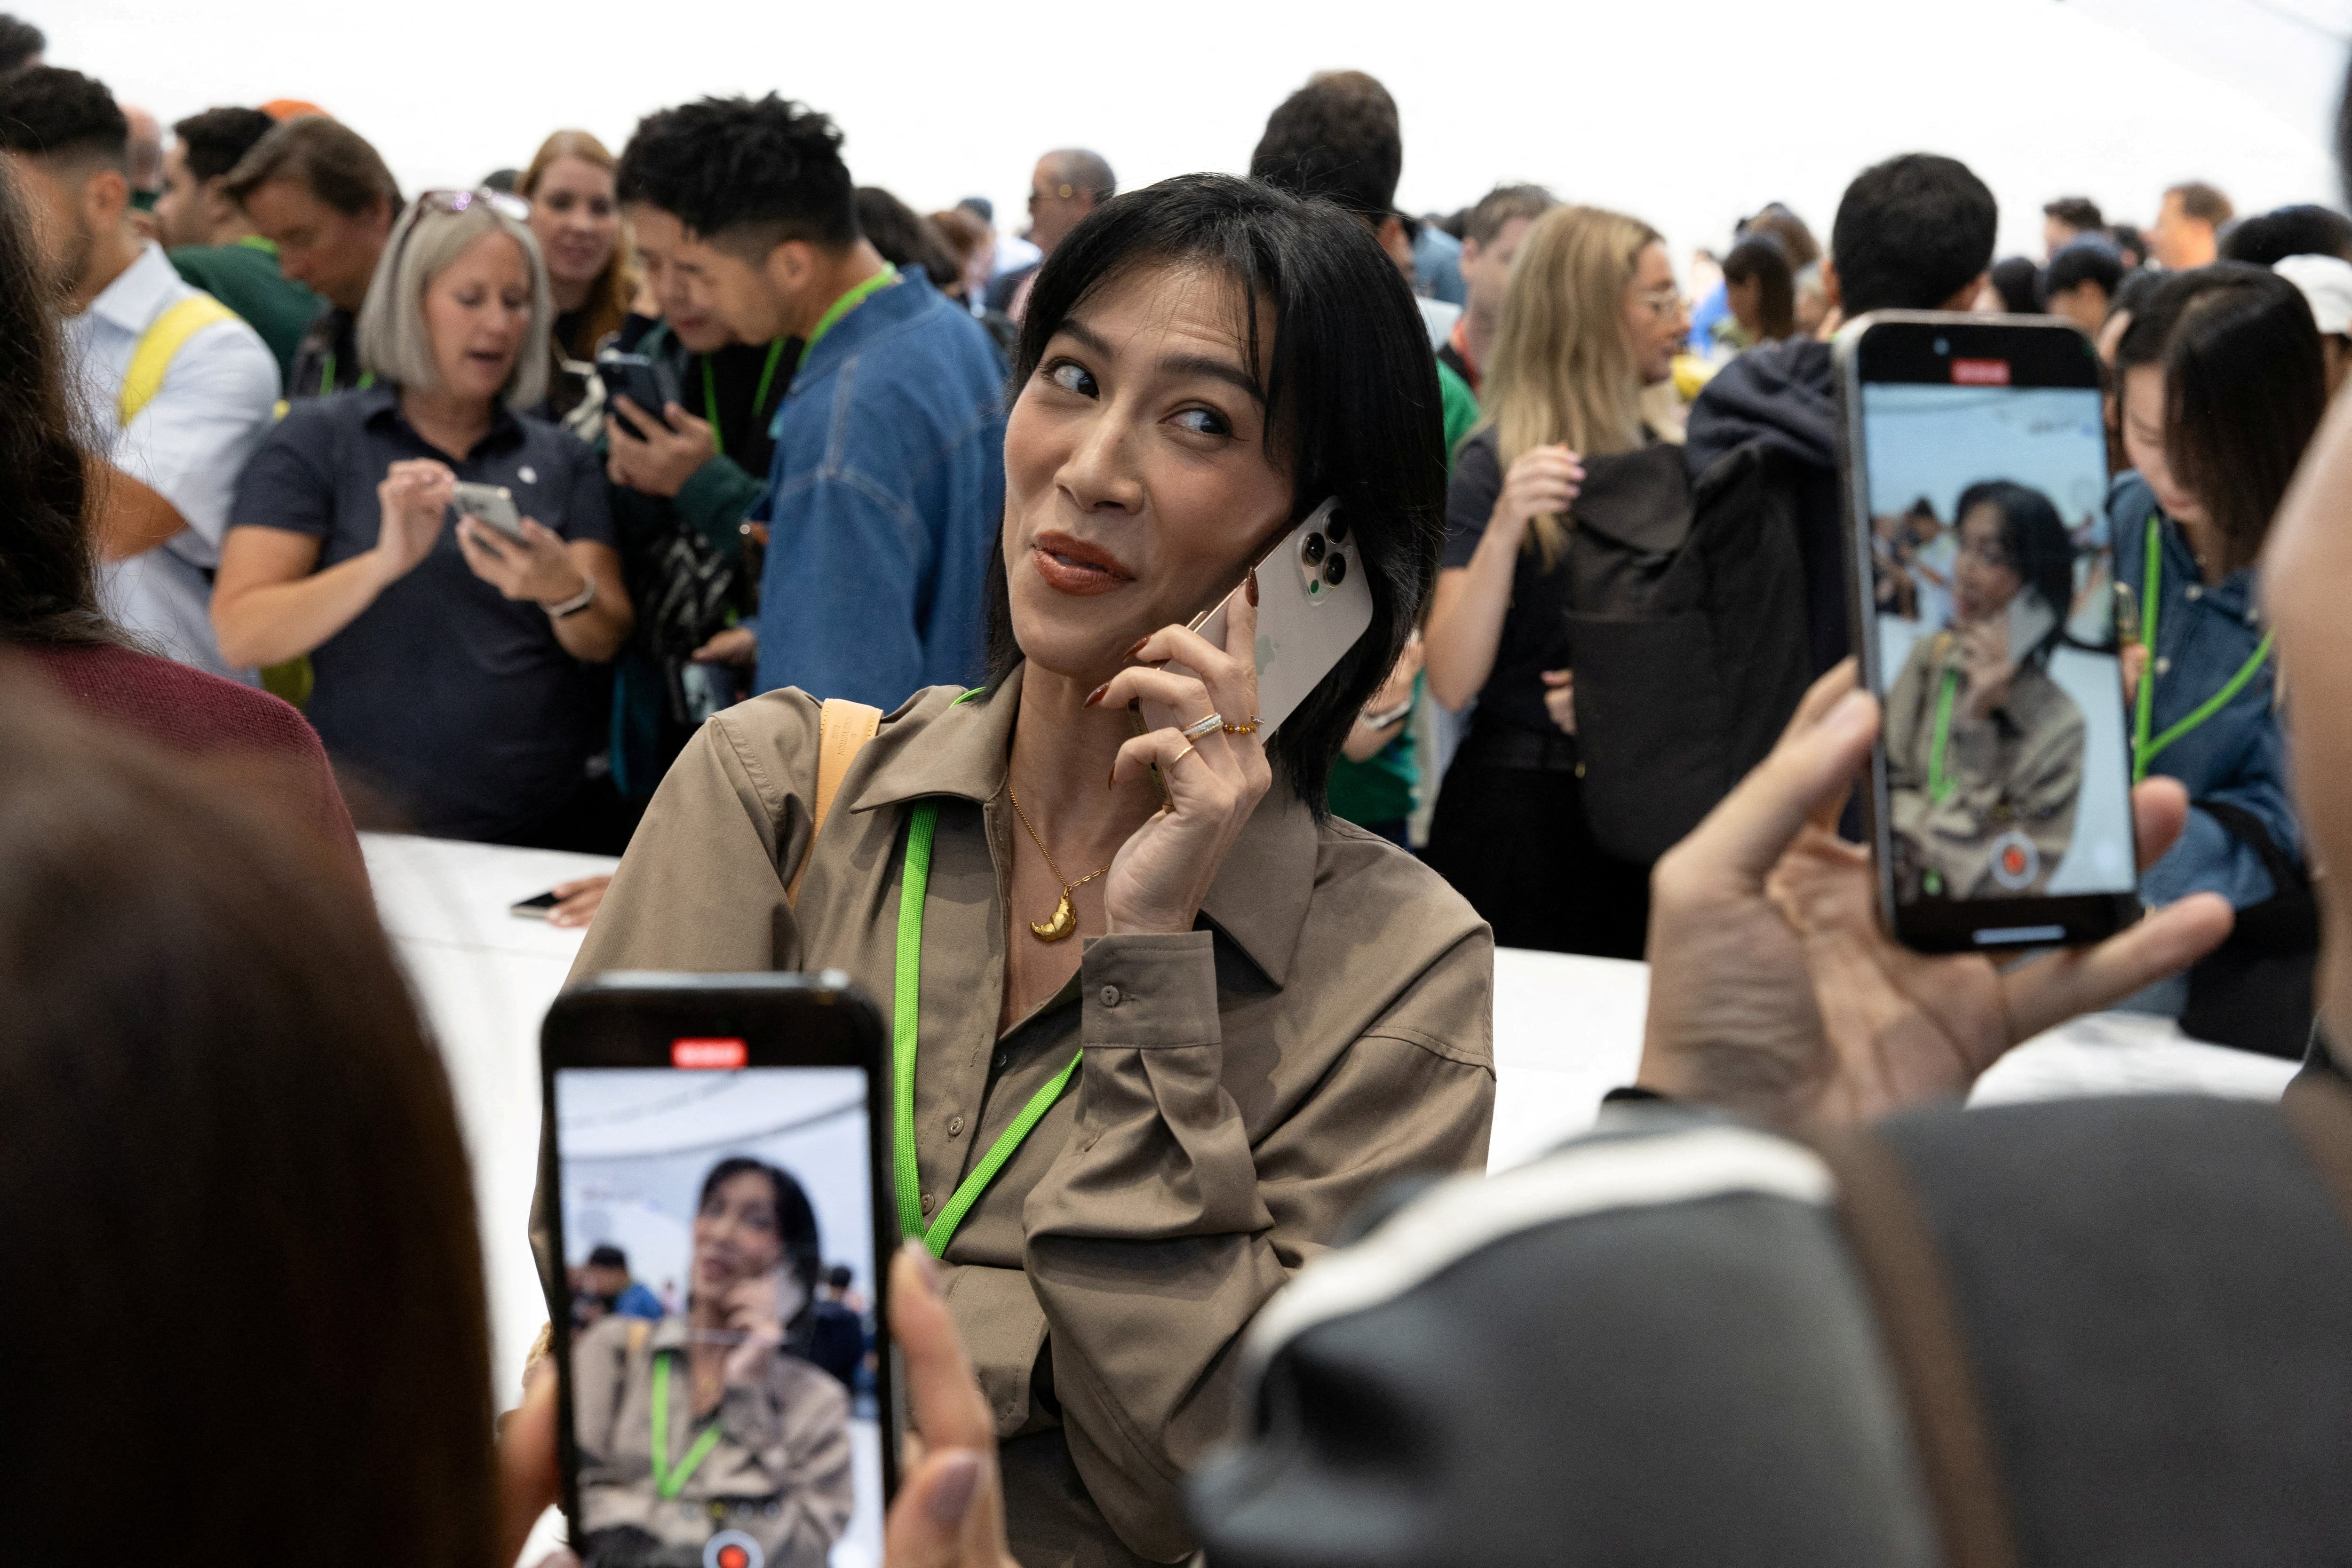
pixel 1775 991
pixel 757 1308
pixel 654 455
pixel 1985 666
pixel 1160 875
pixel 537 569
pixel 413 502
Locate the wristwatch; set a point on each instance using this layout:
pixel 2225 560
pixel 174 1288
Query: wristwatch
pixel 577 602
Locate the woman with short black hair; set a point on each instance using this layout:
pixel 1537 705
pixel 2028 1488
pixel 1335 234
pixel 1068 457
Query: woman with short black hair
pixel 1123 1144
pixel 1984 749
pixel 2221 384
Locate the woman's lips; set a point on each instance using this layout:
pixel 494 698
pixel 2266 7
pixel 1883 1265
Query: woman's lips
pixel 1073 567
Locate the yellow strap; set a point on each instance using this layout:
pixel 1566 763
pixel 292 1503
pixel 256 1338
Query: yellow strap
pixel 843 730
pixel 161 344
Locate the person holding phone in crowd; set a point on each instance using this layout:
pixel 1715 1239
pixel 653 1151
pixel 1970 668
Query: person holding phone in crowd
pixel 1984 749
pixel 457 667
pixel 591 266
pixel 718 1410
pixel 1591 319
pixel 1125 1143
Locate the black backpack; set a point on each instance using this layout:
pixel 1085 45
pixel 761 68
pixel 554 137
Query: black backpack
pixel 1687 634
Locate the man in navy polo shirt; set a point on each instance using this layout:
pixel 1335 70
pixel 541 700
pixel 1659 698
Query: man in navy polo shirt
pixel 887 482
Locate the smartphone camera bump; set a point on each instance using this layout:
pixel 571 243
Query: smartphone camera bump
pixel 1311 553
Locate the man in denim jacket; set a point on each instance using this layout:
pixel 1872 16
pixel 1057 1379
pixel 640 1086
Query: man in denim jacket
pixel 887 481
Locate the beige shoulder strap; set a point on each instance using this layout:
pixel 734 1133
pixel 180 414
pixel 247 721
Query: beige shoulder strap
pixel 843 730
pixel 640 1330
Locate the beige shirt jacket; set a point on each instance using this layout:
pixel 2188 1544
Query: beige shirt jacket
pixel 1326 1029
pixel 2014 779
pixel 780 1472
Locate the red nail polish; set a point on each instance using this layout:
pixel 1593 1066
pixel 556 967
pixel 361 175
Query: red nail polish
pixel 1095 696
pixel 1253 588
pixel 1139 641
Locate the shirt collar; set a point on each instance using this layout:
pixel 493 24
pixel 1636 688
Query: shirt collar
pixel 138 292
pixel 2233 595
pixel 1261 893
pixel 381 404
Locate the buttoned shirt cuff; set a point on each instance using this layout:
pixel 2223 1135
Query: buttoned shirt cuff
pixel 1150 992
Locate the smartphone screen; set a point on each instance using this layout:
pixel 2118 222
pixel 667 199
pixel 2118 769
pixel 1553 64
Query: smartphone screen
pixel 725 1393
pixel 2001 785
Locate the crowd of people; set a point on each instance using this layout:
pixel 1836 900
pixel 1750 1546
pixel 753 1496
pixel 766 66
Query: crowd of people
pixel 563 510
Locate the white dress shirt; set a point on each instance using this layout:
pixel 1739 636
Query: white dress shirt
pixel 188 444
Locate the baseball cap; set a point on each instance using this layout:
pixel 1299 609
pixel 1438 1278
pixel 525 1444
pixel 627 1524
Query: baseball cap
pixel 2326 283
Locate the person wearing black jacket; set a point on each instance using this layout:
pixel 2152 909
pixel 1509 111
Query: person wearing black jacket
pixel 1914 233
pixel 684 479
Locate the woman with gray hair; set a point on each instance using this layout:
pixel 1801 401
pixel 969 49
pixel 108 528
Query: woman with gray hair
pixel 453 668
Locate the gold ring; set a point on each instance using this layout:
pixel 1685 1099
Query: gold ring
pixel 1249 728
pixel 1182 755
pixel 1209 726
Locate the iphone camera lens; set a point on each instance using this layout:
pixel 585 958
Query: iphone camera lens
pixel 1334 570
pixel 1313 549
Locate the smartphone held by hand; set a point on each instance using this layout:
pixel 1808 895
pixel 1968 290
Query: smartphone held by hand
pixel 492 505
pixel 1314 604
pixel 1981 582
pixel 723 1214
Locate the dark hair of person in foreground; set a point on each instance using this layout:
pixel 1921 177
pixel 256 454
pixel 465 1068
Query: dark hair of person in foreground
pixel 2245 382
pixel 1348 385
pixel 234 1202
pixel 48 591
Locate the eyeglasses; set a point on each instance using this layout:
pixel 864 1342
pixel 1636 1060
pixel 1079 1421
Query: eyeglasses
pixel 506 204
pixel 1665 301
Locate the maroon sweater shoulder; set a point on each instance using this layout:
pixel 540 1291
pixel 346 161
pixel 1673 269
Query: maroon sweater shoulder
pixel 191 711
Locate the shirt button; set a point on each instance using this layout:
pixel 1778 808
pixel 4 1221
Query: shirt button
pixel 1002 1058
pixel 955 1126
pixel 927 1203
pixel 1110 997
pixel 2163 666
pixel 2196 591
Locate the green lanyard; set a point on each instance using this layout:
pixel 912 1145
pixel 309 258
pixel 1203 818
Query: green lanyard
pixel 2144 747
pixel 759 399
pixel 669 1482
pixel 844 305
pixel 904 1019
pixel 327 377
pixel 1939 786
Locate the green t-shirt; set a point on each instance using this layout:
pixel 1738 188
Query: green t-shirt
pixel 245 277
pixel 1380 789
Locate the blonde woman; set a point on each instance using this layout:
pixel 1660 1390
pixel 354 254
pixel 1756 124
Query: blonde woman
pixel 457 666
pixel 575 211
pixel 1591 320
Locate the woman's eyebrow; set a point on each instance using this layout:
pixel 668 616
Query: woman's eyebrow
pixel 1175 365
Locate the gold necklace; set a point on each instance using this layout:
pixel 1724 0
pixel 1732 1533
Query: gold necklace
pixel 1065 916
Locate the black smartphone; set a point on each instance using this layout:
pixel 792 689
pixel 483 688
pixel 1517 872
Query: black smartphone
pixel 724 1217
pixel 537 906
pixel 1981 584
pixel 649 383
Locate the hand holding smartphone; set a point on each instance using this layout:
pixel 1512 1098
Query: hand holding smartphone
pixel 1975 477
pixel 717 1152
pixel 1314 604
pixel 492 505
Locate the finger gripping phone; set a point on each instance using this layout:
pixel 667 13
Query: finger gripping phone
pixel 717 1152
pixel 491 504
pixel 1314 604
pixel 649 383
pixel 1973 456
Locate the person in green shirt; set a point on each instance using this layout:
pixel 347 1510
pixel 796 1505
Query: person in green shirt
pixel 210 242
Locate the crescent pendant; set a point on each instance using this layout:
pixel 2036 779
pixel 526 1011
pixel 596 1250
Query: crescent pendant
pixel 1059 928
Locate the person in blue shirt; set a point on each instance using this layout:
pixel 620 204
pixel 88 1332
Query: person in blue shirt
pixel 887 479
pixel 607 1275
pixel 2222 383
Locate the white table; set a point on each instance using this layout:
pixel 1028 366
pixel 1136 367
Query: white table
pixel 1567 1029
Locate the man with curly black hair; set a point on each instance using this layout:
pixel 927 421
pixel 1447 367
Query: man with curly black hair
pixel 887 474
pixel 178 389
